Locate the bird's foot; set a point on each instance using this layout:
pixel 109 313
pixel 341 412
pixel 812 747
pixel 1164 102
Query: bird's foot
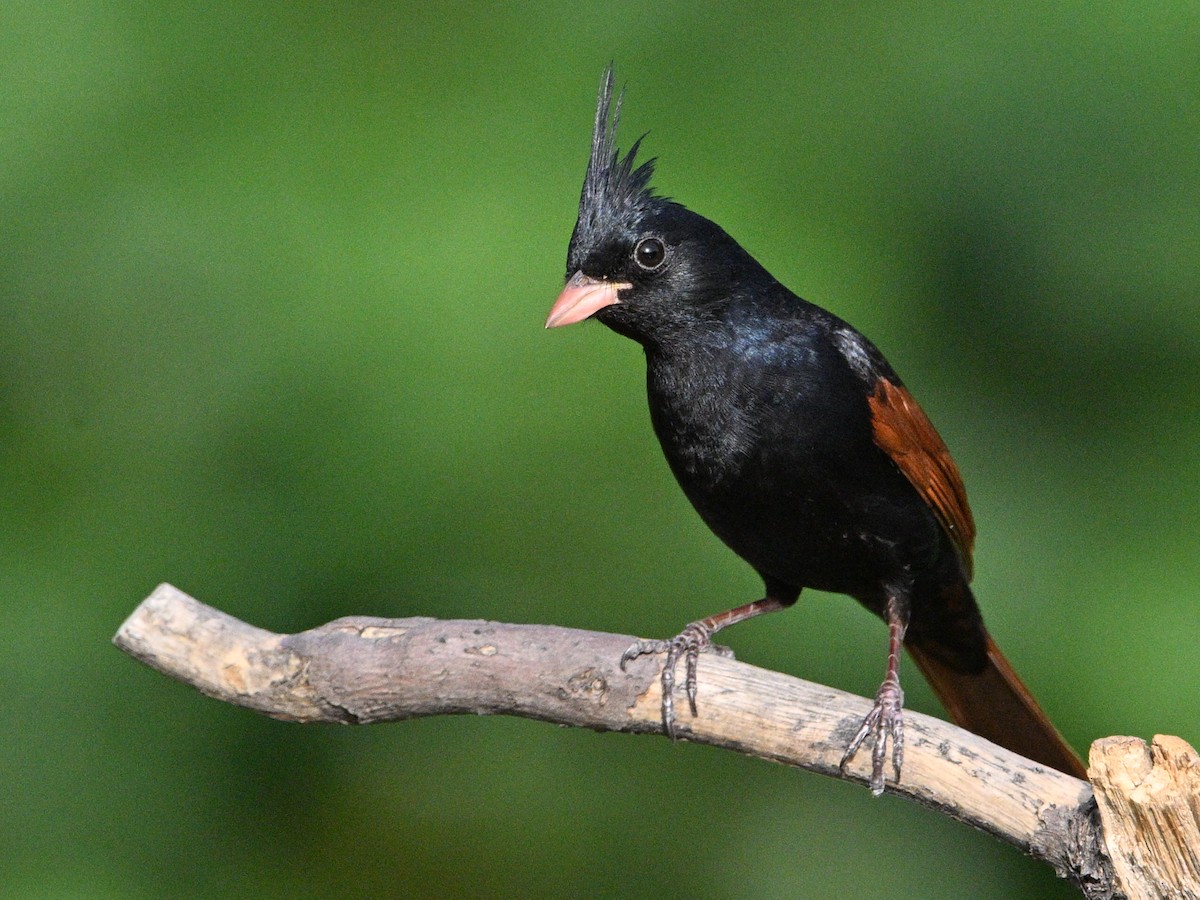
pixel 886 719
pixel 689 643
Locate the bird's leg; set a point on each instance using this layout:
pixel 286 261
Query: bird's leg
pixel 886 718
pixel 689 643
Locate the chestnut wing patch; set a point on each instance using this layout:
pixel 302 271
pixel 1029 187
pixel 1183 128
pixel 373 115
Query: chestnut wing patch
pixel 904 432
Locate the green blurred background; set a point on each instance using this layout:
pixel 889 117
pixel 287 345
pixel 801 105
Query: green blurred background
pixel 273 280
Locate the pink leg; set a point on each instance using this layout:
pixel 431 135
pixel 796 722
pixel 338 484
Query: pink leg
pixel 695 638
pixel 886 718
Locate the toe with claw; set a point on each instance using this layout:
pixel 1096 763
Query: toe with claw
pixel 689 643
pixel 885 720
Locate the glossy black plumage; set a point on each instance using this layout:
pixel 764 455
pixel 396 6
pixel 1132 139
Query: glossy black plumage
pixel 798 445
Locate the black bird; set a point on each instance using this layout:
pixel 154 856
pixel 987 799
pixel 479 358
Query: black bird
pixel 800 448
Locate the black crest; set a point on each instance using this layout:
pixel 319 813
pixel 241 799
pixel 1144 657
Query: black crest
pixel 613 190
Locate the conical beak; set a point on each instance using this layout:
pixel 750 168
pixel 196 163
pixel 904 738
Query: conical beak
pixel 583 296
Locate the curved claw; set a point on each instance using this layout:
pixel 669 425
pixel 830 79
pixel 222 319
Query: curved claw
pixel 641 648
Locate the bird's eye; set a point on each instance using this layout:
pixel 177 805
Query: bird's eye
pixel 649 253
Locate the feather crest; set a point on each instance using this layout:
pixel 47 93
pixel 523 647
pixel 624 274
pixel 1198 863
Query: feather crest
pixel 615 188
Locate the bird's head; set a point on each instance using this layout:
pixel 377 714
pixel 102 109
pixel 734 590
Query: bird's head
pixel 642 264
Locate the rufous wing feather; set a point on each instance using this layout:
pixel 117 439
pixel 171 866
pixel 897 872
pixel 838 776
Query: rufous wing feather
pixel 904 432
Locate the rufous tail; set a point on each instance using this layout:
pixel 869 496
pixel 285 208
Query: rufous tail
pixel 996 705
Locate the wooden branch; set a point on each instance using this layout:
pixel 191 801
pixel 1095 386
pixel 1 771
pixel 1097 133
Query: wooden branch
pixel 1149 801
pixel 361 670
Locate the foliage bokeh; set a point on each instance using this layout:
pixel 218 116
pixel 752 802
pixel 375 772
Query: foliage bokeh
pixel 273 278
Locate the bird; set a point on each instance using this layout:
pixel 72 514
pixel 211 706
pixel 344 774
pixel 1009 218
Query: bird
pixel 801 449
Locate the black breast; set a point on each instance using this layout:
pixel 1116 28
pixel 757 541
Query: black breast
pixel 768 432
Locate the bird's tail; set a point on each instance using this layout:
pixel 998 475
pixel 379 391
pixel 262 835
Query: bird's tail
pixel 994 704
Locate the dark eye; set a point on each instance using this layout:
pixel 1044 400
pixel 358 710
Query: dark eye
pixel 649 253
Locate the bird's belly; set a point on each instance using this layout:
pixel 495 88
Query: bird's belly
pixel 849 526
pixel 791 481
pixel 810 540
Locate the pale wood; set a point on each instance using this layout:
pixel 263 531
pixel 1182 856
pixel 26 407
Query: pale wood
pixel 361 670
pixel 1149 798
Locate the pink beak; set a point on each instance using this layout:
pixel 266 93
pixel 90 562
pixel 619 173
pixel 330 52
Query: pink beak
pixel 583 296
